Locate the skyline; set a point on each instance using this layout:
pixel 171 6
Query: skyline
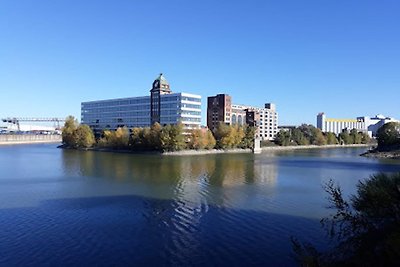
pixel 341 57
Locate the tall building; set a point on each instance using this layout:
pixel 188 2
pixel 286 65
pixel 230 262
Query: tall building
pixel 160 87
pixel 268 122
pixel 361 124
pixel 220 109
pixel 161 106
pixel 336 126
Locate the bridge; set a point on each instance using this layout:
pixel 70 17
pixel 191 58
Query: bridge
pixel 16 121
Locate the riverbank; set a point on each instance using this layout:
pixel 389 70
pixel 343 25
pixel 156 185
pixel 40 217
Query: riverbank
pixel 263 149
pixel 11 139
pixel 374 153
pixel 192 152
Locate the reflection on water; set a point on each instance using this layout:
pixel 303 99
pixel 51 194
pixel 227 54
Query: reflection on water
pixel 65 207
pixel 216 170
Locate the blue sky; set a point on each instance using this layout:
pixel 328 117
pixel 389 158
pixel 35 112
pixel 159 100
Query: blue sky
pixel 337 56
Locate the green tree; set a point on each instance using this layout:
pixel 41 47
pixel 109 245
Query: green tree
pixel 298 137
pixel 388 136
pixel 365 139
pixel 248 139
pixel 68 132
pixel 345 138
pixel 283 138
pixel 366 228
pixel 318 137
pixel 355 136
pixel 331 138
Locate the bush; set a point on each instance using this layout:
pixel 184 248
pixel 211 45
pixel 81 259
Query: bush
pixel 367 228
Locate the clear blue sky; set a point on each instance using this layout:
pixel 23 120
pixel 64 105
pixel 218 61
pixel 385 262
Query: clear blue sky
pixel 337 56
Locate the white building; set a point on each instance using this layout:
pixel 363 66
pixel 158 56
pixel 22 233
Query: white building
pixel 361 124
pixel 268 122
pixel 161 106
pixel 266 119
pixel 373 124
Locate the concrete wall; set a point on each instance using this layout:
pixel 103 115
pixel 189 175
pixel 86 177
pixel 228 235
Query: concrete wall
pixel 10 139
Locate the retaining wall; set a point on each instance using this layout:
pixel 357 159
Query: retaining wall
pixel 11 139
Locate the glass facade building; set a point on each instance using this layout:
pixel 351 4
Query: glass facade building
pixel 171 108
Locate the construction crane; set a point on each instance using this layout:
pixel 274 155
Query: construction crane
pixel 16 121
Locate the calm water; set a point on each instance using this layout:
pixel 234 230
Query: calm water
pixel 100 209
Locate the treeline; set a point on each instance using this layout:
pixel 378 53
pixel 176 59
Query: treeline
pixel 158 138
pixel 310 135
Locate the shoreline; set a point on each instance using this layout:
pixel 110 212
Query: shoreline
pixel 31 142
pixel 26 139
pixel 395 154
pixel 263 149
pixel 215 151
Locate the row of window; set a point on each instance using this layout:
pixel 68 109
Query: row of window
pixel 144 100
pixel 193 99
pixel 115 120
pixel 115 109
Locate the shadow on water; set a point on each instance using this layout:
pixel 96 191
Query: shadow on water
pixel 138 231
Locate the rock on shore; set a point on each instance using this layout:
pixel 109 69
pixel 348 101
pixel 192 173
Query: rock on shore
pixel 394 154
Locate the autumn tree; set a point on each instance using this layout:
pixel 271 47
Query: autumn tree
pixel 172 138
pixel 84 137
pixel 68 131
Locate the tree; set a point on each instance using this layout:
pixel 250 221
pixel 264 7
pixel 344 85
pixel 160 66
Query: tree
pixel 68 132
pixel 248 139
pixel 366 228
pixel 299 137
pixel 318 137
pixel 121 137
pixel 210 140
pixel 135 140
pixel 331 139
pixel 154 135
pixel 355 136
pixel 172 138
pixel 224 136
pixel 115 139
pixel 365 139
pixel 388 136
pixel 344 137
pixel 84 137
pixel 283 138
pixel 197 139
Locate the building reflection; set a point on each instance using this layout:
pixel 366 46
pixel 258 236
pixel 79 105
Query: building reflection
pixel 226 170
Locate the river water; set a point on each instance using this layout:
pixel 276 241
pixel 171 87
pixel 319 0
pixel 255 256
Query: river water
pixel 64 207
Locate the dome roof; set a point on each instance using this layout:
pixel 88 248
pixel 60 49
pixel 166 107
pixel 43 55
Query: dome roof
pixel 162 79
pixel 161 84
